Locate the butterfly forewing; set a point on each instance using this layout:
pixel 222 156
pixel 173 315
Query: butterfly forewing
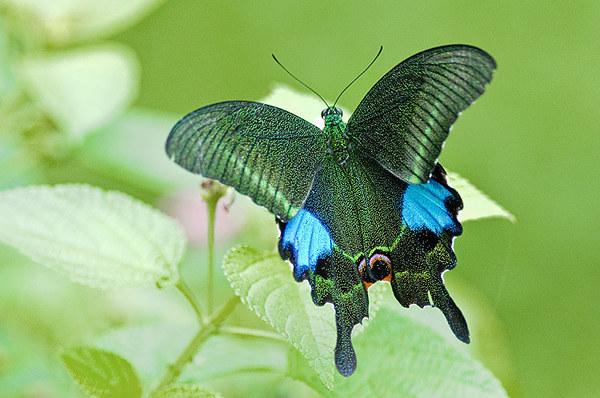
pixel 405 118
pixel 262 151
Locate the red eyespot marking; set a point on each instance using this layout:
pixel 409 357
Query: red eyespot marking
pixel 379 269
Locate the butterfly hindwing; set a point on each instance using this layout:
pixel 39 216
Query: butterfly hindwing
pixel 262 151
pixel 405 234
pixel 405 118
pixel 424 250
pixel 326 239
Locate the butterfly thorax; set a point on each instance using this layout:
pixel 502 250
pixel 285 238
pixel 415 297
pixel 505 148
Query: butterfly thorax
pixel 337 139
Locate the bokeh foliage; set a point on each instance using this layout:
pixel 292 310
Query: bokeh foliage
pixel 532 144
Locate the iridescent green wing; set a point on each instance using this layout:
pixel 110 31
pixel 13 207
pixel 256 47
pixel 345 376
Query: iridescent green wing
pixel 360 224
pixel 262 151
pixel 405 118
pixel 351 211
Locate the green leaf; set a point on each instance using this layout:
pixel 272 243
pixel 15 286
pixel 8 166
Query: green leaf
pixel 398 357
pixel 98 238
pixel 82 89
pixel 66 21
pixel 477 205
pixel 101 373
pixel 184 391
pixel 265 284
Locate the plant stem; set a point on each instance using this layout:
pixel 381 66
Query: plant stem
pixel 208 328
pixel 185 290
pixel 248 332
pixel 211 209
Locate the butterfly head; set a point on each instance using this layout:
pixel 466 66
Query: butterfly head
pixel 332 115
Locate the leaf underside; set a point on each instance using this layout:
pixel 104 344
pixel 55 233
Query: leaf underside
pixel 98 238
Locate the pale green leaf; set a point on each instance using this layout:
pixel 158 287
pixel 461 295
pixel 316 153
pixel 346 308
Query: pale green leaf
pixel 102 374
pixel 477 205
pixel 65 21
pixel 82 89
pixel 98 238
pixel 265 284
pixel 399 357
pixel 184 391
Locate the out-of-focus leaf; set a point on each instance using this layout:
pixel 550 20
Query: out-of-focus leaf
pixel 245 355
pixel 184 391
pixel 101 239
pixel 33 298
pixel 265 284
pixel 7 80
pixel 102 374
pixel 29 368
pixel 65 21
pixel 151 347
pixel 477 205
pixel 136 141
pixel 82 89
pixel 17 168
pixel 401 358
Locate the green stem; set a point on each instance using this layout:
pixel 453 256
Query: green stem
pixel 248 332
pixel 185 290
pixel 208 328
pixel 211 209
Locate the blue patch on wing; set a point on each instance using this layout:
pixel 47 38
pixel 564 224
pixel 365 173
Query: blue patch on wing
pixel 424 206
pixel 308 240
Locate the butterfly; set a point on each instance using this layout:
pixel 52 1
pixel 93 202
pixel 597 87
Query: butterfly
pixel 356 202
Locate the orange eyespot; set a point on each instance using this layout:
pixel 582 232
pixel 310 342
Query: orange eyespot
pixel 379 268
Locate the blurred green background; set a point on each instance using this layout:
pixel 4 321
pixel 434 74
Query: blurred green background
pixel 532 142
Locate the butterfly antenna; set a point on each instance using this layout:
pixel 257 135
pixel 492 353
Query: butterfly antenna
pixel 298 80
pixel 359 75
